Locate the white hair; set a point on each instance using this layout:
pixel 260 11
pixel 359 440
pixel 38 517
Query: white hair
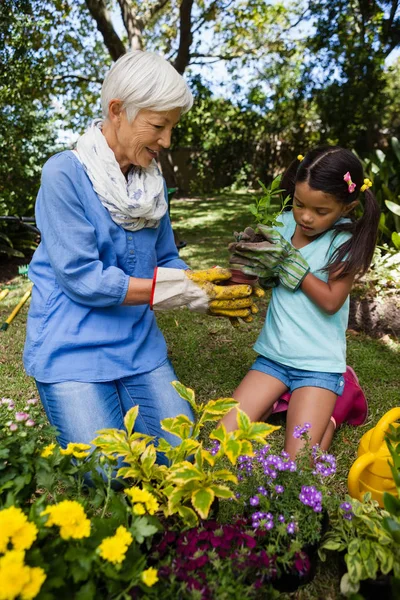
pixel 145 80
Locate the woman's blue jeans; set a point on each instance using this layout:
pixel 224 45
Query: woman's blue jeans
pixel 78 410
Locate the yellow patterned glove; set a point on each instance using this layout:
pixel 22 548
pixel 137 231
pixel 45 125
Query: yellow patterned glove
pixel 200 292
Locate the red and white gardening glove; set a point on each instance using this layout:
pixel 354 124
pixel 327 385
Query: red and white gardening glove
pixel 199 291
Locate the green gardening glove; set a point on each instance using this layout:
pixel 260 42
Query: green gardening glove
pixel 272 254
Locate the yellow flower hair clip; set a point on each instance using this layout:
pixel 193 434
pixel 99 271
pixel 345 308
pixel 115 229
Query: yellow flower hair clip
pixel 367 184
pixel 300 157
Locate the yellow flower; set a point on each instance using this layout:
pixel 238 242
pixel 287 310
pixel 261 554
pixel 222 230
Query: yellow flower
pixel 47 451
pixel 14 574
pixel 138 495
pixel 367 184
pixel 15 528
pixel 300 157
pixel 149 577
pixel 70 517
pixel 32 588
pixel 77 450
pixel 142 497
pixel 124 535
pixel 139 509
pixel 114 548
pixel 152 505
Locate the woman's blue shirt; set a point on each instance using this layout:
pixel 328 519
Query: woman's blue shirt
pixel 78 329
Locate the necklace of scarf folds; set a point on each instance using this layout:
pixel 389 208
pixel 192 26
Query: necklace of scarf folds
pixel 134 203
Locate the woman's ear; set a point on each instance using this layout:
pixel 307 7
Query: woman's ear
pixel 114 110
pixel 349 207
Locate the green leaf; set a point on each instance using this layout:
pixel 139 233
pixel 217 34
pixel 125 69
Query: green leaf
pixel 148 459
pixel 396 240
pixel 392 526
pixel 353 547
pixel 202 500
pixel 130 418
pixel 347 587
pixel 331 545
pixel 394 208
pixel 181 426
pixel 87 591
pixel 392 504
pixel 365 549
pixel 141 529
pixel 354 567
pixel 188 515
pixel 243 420
pixel 233 449
pixel 219 434
pixel 396 147
pixel 184 472
pixel 222 491
pixel 224 475
pixel 186 393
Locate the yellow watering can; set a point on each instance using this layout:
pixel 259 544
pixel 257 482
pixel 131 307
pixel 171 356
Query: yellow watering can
pixel 371 471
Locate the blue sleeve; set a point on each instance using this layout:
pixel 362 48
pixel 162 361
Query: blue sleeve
pixel 70 239
pixel 167 253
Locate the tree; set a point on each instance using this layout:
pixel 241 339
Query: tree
pixel 347 73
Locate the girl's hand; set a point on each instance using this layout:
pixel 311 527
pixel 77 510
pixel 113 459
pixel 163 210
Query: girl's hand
pixel 273 256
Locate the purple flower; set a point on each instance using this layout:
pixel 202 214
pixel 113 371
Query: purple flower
pixel 310 496
pixel 348 516
pixel 254 501
pixel 237 494
pixel 21 416
pixel 325 464
pixel 300 431
pixel 262 490
pixel 281 519
pixel 291 528
pixel 268 525
pixel 346 506
pixel 279 489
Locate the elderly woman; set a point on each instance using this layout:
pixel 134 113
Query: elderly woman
pixel 107 257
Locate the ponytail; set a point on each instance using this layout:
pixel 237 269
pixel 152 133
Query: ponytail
pixel 355 255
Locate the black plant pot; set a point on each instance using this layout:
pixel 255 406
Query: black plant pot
pixel 380 588
pixel 290 582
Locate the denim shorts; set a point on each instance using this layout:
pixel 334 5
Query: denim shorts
pixel 297 378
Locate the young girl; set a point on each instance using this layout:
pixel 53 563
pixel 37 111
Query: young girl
pixel 315 253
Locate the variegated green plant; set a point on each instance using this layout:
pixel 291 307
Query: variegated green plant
pixel 359 530
pixel 195 476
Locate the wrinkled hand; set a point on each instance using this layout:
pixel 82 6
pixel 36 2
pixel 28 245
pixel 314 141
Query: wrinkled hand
pixel 274 256
pixel 200 292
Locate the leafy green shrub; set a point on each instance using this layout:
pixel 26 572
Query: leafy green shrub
pixel 384 171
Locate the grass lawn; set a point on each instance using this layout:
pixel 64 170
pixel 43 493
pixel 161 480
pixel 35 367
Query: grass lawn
pixel 211 356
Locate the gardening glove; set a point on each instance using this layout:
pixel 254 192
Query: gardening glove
pixel 200 292
pixel 267 277
pixel 257 292
pixel 272 254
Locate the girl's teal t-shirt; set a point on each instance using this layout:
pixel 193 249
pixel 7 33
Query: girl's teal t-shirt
pixel 296 332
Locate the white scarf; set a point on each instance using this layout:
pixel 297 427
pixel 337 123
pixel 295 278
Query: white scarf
pixel 134 203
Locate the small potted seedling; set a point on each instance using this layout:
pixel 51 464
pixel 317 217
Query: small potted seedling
pixel 262 211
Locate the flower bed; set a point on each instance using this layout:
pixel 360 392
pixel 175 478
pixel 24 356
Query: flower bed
pixel 228 518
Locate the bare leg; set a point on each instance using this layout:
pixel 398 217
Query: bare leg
pixel 256 394
pixel 312 405
pixel 328 436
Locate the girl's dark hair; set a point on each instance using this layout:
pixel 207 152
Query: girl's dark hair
pixel 323 169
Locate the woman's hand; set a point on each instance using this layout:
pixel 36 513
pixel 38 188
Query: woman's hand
pixel 272 256
pixel 200 292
